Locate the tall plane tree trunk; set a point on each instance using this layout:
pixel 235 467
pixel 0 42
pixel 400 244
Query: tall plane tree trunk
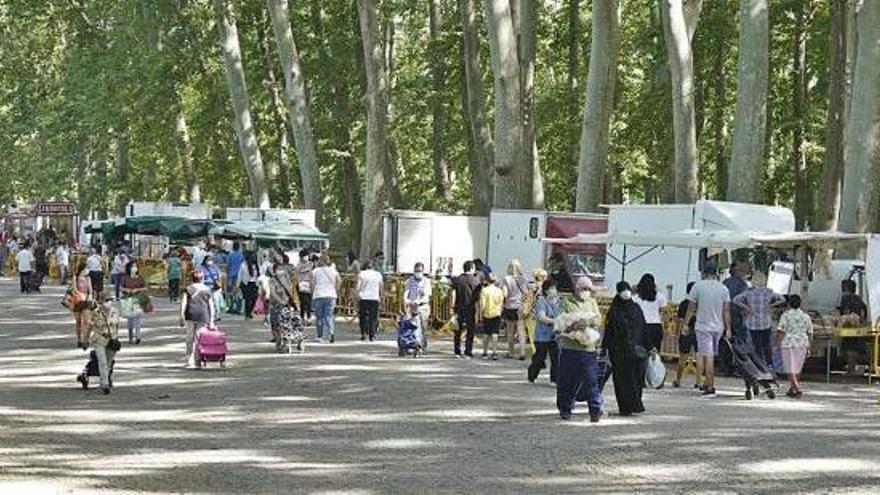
pixel 185 153
pixel 828 201
pixel 438 110
pixel 574 49
pixel 241 104
pixel 802 193
pixel 483 159
pixel 596 126
pixel 513 180
pixel 375 176
pixel 296 97
pixel 680 19
pixel 750 124
pixel 862 172
pixel 528 42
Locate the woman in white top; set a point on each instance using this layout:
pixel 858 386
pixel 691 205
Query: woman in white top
pixel 325 284
pixel 652 304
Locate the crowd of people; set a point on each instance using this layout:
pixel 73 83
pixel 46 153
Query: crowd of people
pixel 551 313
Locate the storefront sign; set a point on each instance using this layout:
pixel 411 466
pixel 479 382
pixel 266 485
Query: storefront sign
pixel 55 209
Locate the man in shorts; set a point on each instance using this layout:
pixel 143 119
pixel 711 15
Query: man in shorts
pixel 710 302
pixel 687 338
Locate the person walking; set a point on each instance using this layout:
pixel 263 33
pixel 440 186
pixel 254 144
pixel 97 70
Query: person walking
pixel 489 313
pixel 326 287
pixel 134 288
pixel 62 259
pixel 234 261
pixel 687 339
pixel 515 288
pixel 465 294
pixel 95 266
pixel 304 285
pixel 196 307
pixel 175 273
pixel 626 341
pixel 578 359
pixel 755 304
pixel 82 306
pixel 370 291
pixel 710 302
pixel 281 302
pixel 117 271
pixel 41 266
pixel 103 335
pixel 736 284
pixel 795 331
pixel 248 273
pixel 25 261
pixel 652 304
pixel 417 293
pixel 546 312
pixel 214 280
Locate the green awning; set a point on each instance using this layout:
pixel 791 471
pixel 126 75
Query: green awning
pixel 173 227
pixel 269 231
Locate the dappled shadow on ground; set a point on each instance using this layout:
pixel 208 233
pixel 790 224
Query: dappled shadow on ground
pixel 354 418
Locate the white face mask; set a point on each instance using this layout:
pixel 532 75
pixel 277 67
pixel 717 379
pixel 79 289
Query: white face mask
pixel 626 295
pixel 552 293
pixel 134 270
pixel 418 275
pixel 583 294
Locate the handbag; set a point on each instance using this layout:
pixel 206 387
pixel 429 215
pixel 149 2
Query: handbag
pixel 655 371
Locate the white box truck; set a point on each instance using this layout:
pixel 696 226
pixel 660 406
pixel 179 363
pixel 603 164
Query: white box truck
pixel 435 239
pixel 674 267
pixel 520 234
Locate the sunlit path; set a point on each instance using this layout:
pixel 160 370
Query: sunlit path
pixel 354 418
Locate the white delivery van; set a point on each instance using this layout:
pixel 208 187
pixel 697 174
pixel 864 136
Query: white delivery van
pixel 435 239
pixel 674 267
pixel 519 234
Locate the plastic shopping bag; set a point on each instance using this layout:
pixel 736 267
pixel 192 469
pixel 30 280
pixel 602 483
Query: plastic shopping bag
pixel 655 371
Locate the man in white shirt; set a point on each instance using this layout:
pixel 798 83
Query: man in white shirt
pixel 62 259
pixel 370 291
pixel 25 261
pixel 120 261
pixel 417 292
pixel 710 302
pixel 95 267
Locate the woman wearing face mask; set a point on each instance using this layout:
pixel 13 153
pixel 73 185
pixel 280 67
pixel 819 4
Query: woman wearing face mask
pixel 626 341
pixel 213 279
pixel 546 311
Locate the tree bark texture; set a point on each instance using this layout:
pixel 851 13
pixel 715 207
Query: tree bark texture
pixel 527 44
pixel 802 194
pixel 596 125
pixel 513 180
pixel 677 32
pixel 241 105
pixel 438 121
pixel 719 123
pixel 828 203
pixel 185 153
pixel 300 115
pixel 749 132
pixel 483 158
pixel 859 208
pixel 574 48
pixel 376 176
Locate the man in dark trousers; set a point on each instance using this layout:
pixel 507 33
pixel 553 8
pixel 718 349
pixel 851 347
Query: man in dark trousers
pixel 736 284
pixel 465 294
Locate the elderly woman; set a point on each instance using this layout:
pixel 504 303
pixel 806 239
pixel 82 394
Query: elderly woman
pixel 197 307
pixel 626 341
pixel 578 360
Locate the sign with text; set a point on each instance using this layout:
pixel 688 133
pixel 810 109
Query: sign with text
pixel 55 209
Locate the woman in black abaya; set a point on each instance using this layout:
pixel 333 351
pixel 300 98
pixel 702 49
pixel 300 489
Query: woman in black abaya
pixel 625 341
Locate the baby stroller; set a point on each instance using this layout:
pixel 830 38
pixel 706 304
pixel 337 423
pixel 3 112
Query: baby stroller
pixel 757 375
pixel 409 336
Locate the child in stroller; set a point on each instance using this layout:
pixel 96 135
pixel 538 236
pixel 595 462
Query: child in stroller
pixel 409 332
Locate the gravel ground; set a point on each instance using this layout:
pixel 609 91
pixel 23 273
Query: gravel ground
pixel 353 418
